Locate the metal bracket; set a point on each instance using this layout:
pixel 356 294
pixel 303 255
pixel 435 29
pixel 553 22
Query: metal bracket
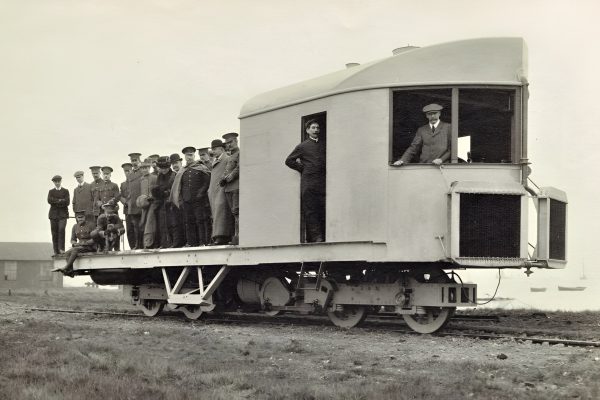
pixel 200 296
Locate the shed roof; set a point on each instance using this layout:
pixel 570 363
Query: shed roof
pixel 491 61
pixel 25 251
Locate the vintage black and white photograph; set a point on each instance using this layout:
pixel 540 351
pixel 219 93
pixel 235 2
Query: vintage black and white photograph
pixel 312 200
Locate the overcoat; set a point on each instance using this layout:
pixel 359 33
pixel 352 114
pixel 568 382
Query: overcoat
pixel 430 145
pixel 59 203
pixel 82 198
pixel 221 214
pixel 232 172
pixel 107 191
pixel 134 188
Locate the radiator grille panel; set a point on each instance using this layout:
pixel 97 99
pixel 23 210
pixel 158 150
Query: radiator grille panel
pixel 490 225
pixel 558 227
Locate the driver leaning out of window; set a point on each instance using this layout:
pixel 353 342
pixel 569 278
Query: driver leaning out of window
pixel 432 141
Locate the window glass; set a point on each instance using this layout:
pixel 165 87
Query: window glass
pixel 10 270
pixel 485 119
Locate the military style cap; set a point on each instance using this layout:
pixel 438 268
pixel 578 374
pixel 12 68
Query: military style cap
pixel 175 157
pixel 432 108
pixel 163 162
pixel 203 150
pixel 154 157
pixel 134 156
pixel 107 169
pixel 146 163
pixel 188 149
pixel 82 213
pixel 56 178
pixel 216 143
pixel 78 173
pixel 126 165
pixel 95 168
pixel 228 137
pixel 109 205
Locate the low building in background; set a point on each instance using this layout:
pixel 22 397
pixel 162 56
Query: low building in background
pixel 27 265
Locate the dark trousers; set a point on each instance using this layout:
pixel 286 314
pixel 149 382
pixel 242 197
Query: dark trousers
pixel 313 207
pixel 163 238
pixel 57 227
pixel 233 200
pixel 138 236
pixel 194 219
pixel 74 252
pixel 176 226
pixel 130 228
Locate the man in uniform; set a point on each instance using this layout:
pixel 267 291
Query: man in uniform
pixel 129 229
pixel 205 157
pixel 133 192
pixel 96 210
pixel 81 242
pixel 82 197
pixel 153 159
pixel 432 141
pixel 189 193
pixel 107 191
pixel 308 158
pixel 223 224
pixel 230 180
pixel 145 202
pixel 108 229
pixel 174 213
pixel 58 198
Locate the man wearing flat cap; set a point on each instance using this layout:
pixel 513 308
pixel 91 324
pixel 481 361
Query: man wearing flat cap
pixel 124 188
pixel 133 192
pixel 176 226
pixel 58 198
pixel 432 141
pixel 189 193
pixel 231 182
pixel 146 202
pixel 82 197
pixel 107 191
pixel 153 159
pixel 96 183
pixel 205 157
pixel 222 218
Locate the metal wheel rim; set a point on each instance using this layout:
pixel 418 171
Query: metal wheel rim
pixel 152 308
pixel 348 317
pixel 191 312
pixel 434 319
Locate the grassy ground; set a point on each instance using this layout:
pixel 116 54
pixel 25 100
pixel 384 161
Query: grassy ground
pixel 82 356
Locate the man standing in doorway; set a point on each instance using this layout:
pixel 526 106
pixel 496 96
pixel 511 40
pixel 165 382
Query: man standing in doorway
pixel 308 158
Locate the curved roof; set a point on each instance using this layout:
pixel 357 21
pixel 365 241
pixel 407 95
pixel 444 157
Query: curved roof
pixel 492 61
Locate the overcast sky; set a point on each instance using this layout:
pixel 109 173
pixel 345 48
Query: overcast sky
pixel 87 82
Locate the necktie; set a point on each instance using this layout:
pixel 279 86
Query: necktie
pixel 432 129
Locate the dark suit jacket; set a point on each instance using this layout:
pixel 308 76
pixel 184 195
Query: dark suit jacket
pixel 82 198
pixel 428 145
pixel 59 203
pixel 134 187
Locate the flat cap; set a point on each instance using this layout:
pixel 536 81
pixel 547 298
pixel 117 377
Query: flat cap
pixel 106 169
pixel 188 149
pixel 134 156
pixel 228 137
pixel 110 204
pixel 126 165
pixel 163 162
pixel 154 157
pixel 56 178
pixel 203 150
pixel 146 163
pixel 216 143
pixel 432 107
pixel 82 212
pixel 175 157
pixel 95 168
pixel 78 173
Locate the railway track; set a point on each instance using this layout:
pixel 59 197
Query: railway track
pixel 385 323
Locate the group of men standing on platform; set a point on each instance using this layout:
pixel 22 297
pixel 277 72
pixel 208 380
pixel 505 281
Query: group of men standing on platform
pixel 174 205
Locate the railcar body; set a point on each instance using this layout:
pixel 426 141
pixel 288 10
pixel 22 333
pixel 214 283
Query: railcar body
pixel 390 231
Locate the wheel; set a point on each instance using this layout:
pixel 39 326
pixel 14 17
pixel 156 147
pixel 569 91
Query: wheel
pixel 273 313
pixel 191 312
pixel 434 319
pixel 349 316
pixel 151 308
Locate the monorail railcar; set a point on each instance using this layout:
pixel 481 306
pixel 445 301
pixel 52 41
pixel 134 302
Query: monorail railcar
pixel 392 233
